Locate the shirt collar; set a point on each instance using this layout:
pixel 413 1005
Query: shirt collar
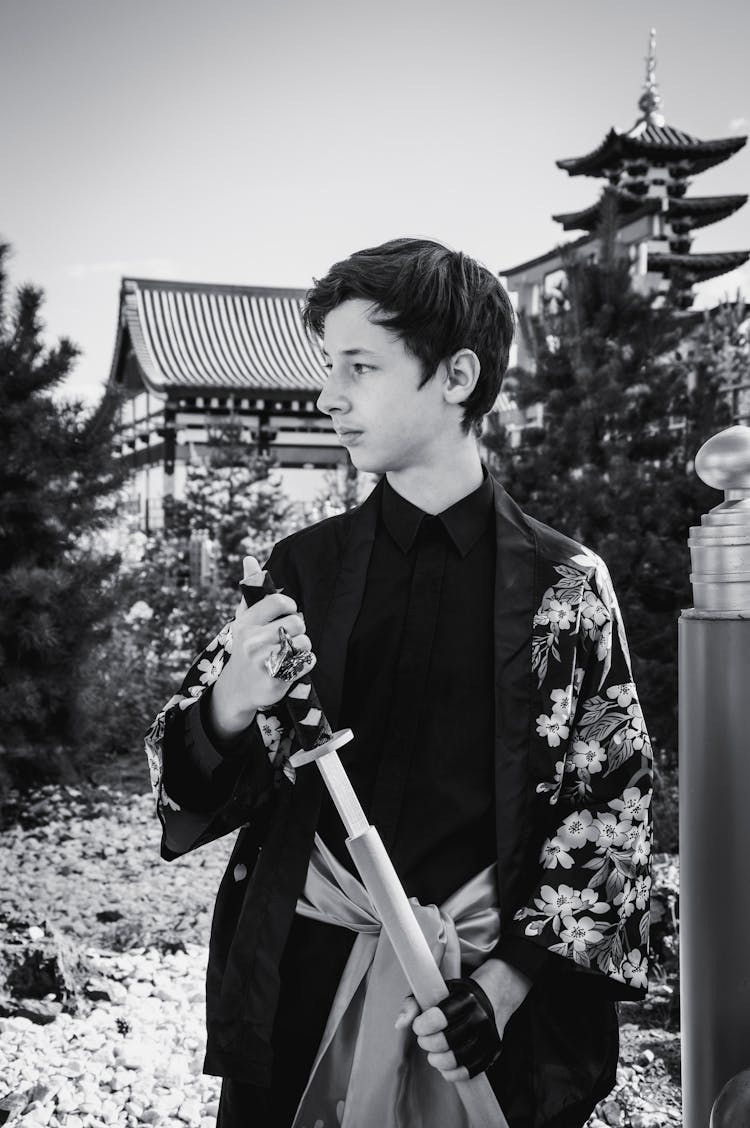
pixel 464 521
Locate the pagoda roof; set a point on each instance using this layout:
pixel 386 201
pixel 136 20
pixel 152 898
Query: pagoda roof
pixel 204 336
pixel 655 142
pixel 697 268
pixel 701 210
pixel 629 206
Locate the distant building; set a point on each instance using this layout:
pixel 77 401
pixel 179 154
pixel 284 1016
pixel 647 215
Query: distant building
pixel 647 170
pixel 191 356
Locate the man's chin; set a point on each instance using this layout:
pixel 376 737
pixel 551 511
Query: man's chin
pixel 366 462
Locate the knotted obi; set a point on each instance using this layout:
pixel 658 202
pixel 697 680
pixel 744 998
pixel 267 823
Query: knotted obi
pixel 366 1074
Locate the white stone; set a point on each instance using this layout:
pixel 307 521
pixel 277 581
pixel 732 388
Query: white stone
pixel 189 1111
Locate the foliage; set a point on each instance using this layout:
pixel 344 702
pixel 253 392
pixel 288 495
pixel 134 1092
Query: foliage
pixel 344 489
pixel 58 485
pixel 629 394
pixel 165 612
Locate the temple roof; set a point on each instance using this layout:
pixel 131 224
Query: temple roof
pixel 629 206
pixel 194 335
pixel 703 210
pixel 658 144
pixel 700 210
pixel 697 268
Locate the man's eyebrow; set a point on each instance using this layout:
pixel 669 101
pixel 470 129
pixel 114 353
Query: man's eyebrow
pixel 352 352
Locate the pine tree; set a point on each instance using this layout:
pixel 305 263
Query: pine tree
pixel 629 394
pixel 58 487
pixel 232 498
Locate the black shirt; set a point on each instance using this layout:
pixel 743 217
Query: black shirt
pixel 418 694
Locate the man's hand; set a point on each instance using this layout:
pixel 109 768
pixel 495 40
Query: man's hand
pixel 244 685
pixel 505 987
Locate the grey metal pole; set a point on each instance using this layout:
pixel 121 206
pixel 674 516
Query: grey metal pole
pixel 714 742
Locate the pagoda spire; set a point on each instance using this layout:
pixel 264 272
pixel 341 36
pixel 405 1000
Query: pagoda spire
pixel 649 102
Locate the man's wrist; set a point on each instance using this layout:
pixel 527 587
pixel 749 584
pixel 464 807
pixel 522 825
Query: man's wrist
pixel 505 986
pixel 227 725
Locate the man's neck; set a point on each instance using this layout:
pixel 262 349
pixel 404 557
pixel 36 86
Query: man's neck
pixel 434 488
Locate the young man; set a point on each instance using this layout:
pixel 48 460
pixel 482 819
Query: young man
pixel 480 659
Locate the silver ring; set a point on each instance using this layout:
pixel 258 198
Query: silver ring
pixel 286 663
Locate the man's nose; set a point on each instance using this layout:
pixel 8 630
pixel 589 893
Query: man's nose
pixel 331 397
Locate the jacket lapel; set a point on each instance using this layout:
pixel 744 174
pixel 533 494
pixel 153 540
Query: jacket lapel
pixel 336 620
pixel 515 605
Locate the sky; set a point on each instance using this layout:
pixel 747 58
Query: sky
pixel 257 143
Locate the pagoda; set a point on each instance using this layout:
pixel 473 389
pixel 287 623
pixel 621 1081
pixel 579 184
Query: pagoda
pixel 647 171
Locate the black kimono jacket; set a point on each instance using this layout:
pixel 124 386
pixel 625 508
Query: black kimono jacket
pixel 573 788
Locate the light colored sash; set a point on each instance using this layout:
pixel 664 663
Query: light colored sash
pixel 366 1074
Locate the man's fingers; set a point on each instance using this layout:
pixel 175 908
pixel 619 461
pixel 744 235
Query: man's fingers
pixel 266 638
pixel 445 1062
pixel 433 1043
pixel 431 1021
pixel 407 1014
pixel 268 608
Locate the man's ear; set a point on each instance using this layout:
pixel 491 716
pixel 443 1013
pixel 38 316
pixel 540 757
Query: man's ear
pixel 462 373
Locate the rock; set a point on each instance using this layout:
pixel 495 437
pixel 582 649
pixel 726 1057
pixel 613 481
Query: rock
pixel 40 1011
pixel 647 1057
pixel 611 1113
pixel 189 1111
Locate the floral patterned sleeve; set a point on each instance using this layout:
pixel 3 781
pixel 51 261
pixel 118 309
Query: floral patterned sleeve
pixel 591 903
pixel 234 782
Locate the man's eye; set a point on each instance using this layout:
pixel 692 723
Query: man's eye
pixel 359 368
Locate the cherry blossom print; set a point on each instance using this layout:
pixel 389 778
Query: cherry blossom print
pixel 561 614
pixel 553 728
pixel 642 891
pixel 610 831
pixel 588 755
pixel 633 805
pixel 554 854
pixel 593 614
pixel 210 670
pixel 553 903
pixel 622 694
pixel 271 731
pixel 625 900
pixel 580 933
pixel 578 829
pixel 634 968
pixel 642 846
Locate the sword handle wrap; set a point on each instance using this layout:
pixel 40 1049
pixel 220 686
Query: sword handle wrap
pixel 301 704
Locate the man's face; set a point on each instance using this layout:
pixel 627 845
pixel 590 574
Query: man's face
pixel 373 397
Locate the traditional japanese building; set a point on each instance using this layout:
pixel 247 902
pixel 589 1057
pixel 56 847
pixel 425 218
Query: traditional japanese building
pixel 647 171
pixel 189 357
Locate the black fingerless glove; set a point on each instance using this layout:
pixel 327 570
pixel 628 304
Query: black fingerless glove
pixel 471 1031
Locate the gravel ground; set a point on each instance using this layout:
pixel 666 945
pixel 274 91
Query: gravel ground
pixel 81 876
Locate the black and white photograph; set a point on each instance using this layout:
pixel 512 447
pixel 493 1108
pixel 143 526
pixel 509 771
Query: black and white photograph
pixel 374 564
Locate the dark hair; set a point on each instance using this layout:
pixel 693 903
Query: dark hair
pixel 437 300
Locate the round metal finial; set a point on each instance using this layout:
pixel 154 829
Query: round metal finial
pixel 723 462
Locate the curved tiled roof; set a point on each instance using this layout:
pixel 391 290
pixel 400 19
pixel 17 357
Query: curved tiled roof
pixel 646 139
pixel 207 336
pixel 703 210
pixel 698 268
pixel 700 210
pixel 627 204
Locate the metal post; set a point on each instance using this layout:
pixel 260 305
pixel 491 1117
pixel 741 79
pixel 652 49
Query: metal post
pixel 714 740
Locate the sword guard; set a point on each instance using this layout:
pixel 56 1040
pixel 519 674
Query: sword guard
pixel 337 740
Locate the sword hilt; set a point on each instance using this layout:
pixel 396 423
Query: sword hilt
pixel 301 703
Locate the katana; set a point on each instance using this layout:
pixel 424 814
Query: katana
pixel 320 744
